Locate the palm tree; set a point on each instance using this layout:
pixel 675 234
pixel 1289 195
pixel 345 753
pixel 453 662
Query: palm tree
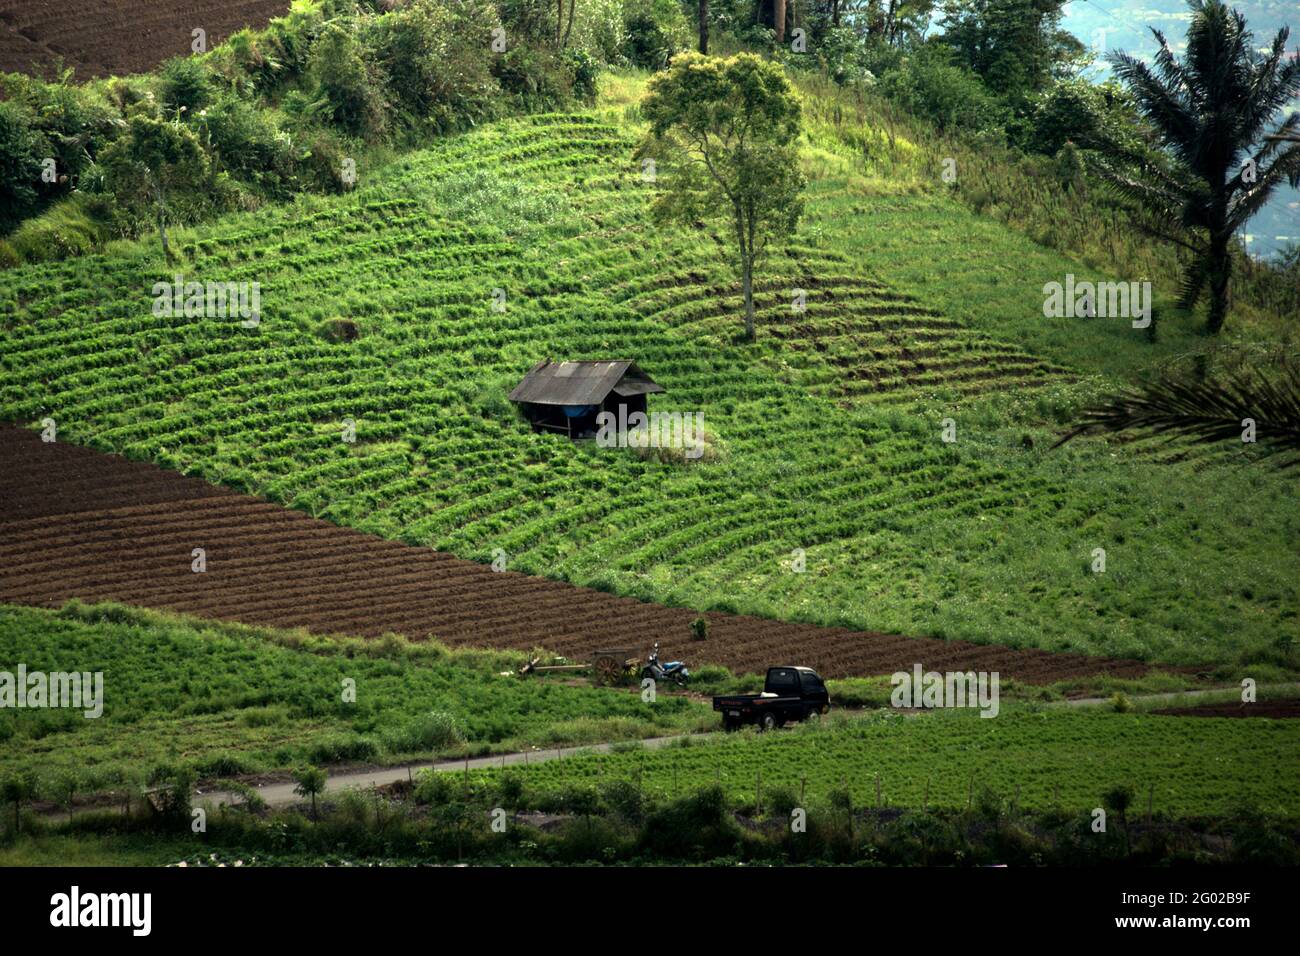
pixel 1208 410
pixel 1219 163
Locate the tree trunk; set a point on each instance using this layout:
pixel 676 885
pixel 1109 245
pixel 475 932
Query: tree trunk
pixel 747 283
pixel 778 19
pixel 704 26
pixel 569 27
pixel 835 13
pixel 1220 275
pixel 162 222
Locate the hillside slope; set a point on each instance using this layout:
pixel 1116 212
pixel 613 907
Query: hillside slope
pixel 62 508
pixel 829 425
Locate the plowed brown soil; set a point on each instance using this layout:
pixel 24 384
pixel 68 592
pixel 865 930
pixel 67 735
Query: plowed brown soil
pixel 78 523
pixel 1277 709
pixel 117 37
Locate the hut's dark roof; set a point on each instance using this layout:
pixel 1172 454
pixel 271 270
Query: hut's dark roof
pixel 582 383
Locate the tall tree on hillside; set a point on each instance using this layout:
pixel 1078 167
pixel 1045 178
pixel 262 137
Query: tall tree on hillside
pixel 726 132
pixel 1218 162
pixel 1016 46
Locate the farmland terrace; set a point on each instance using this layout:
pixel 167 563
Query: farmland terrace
pixel 377 310
pixel 76 523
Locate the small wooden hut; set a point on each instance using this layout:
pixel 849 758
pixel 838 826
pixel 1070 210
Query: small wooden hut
pixel 567 396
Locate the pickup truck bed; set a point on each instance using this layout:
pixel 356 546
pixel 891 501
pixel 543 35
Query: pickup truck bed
pixel 789 694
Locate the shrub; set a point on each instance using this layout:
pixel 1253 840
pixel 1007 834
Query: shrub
pixel 431 55
pixel 434 732
pixel 700 629
pixel 345 86
pixel 656 31
pixel 338 749
pixel 321 163
pixel 585 72
pixel 839 53
pixel 20 167
pixel 511 790
pixel 246 143
pixel 699 826
pixel 1075 110
pixel 625 798
pixel 9 258
pixel 339 330
pixel 222 765
pixel 598 29
pixel 437 731
pixel 74 124
pixel 184 85
pixel 173 789
pixel 433 788
pixel 66 229
pixel 928 85
pixel 780 801
pixel 536 77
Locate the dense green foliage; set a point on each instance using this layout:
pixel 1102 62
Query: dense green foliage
pixel 275 112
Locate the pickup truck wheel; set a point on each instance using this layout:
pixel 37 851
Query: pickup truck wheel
pixel 767 722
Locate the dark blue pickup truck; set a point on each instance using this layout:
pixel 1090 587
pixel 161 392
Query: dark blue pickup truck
pixel 789 694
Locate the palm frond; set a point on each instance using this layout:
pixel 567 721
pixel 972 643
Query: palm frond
pixel 1172 114
pixel 1208 410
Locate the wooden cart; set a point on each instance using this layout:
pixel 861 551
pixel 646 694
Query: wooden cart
pixel 608 666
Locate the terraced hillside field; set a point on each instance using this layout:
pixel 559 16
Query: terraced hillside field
pixel 75 523
pixel 378 309
pixel 117 37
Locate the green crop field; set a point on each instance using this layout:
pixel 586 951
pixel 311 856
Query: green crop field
pixel 223 699
pixel 1049 759
pixel 828 428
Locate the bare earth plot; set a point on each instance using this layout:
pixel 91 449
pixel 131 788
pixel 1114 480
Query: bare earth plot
pixel 78 523
pixel 117 37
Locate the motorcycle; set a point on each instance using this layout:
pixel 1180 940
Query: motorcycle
pixel 674 671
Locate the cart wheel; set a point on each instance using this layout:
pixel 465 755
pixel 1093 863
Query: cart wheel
pixel 608 671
